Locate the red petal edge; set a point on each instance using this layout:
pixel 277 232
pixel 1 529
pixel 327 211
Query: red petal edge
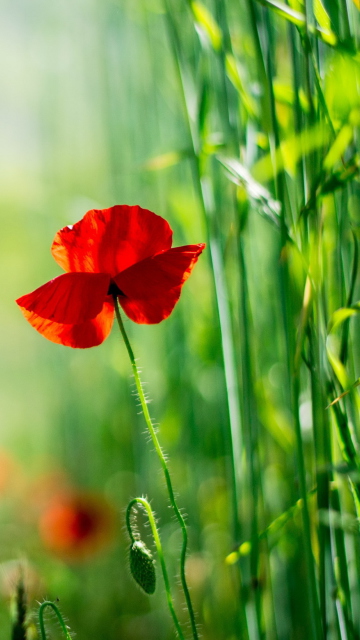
pixel 111 240
pixel 69 299
pixel 152 287
pixel 72 309
pixel 83 335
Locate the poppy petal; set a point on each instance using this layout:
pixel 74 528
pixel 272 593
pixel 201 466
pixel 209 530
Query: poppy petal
pixel 89 333
pixel 68 299
pixel 152 287
pixel 75 525
pixel 111 240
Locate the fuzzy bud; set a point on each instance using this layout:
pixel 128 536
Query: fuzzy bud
pixel 142 566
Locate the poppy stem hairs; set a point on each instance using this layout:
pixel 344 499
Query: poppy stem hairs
pixel 52 605
pixel 141 563
pixel 164 466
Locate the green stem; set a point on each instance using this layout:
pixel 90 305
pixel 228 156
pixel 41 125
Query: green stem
pixel 250 420
pixel 52 606
pixel 347 446
pixel 322 458
pixel 164 466
pixel 205 195
pixel 309 559
pixel 308 50
pixel 144 503
pixel 354 273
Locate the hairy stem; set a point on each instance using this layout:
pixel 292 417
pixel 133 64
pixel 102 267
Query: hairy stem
pixel 164 466
pixel 52 606
pixel 145 504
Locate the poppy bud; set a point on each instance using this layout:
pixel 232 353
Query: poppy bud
pixel 142 566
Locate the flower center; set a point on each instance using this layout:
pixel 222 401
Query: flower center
pixel 83 524
pixel 114 290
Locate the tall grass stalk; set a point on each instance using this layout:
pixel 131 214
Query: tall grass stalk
pixel 204 189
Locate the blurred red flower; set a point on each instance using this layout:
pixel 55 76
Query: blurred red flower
pixel 75 525
pixel 123 251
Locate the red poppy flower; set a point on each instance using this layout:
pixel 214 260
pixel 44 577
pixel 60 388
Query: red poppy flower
pixel 76 525
pixel 123 251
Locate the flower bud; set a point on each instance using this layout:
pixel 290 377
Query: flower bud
pixel 142 566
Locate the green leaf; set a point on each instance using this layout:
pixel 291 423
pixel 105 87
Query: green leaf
pixel 336 365
pixel 290 151
pixel 297 5
pixel 340 315
pixel 339 146
pixel 321 15
pixel 234 76
pixel 325 35
pixel 283 93
pixel 286 12
pixel 338 179
pixel 345 393
pixel 273 528
pixel 207 24
pixel 240 175
pixel 299 20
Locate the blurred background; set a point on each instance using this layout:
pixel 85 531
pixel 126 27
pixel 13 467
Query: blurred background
pixel 169 105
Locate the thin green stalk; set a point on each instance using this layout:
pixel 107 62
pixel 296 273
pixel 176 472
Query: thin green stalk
pixel 229 111
pixel 346 21
pixel 292 372
pixel 204 192
pixel 341 562
pixel 341 570
pixel 309 559
pixel 145 504
pixel 298 115
pixel 349 301
pixel 347 446
pixel 260 62
pixel 308 50
pixel 164 466
pixel 52 606
pixel 252 435
pixel 322 461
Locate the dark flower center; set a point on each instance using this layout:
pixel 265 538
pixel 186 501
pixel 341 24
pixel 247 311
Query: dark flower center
pixel 114 290
pixel 84 524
